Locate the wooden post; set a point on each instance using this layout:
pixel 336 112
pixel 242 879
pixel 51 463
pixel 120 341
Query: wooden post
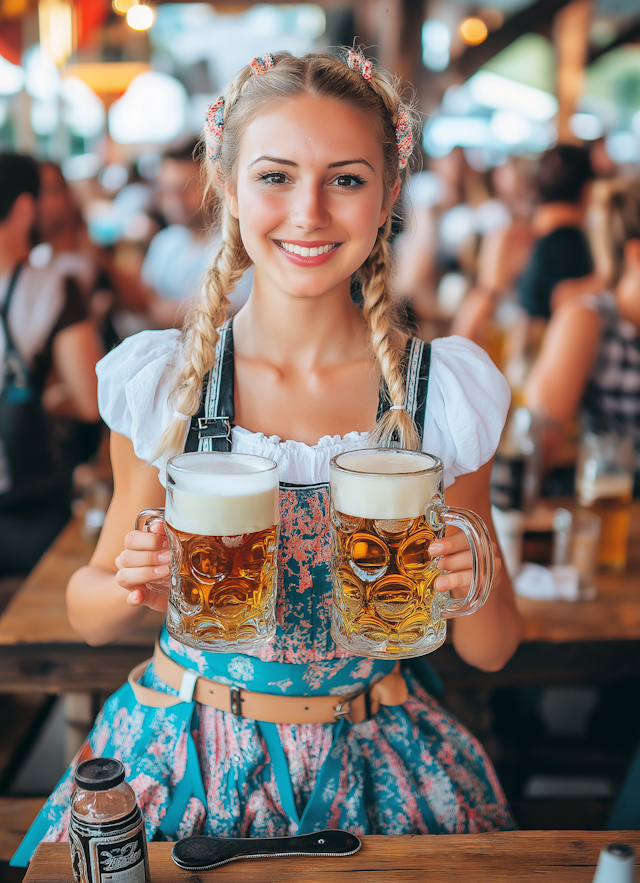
pixel 572 40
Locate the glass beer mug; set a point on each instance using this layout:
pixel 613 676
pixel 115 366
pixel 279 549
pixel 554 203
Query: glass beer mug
pixel 222 520
pixel 387 506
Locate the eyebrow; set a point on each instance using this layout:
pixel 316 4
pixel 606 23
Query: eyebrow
pixel 289 162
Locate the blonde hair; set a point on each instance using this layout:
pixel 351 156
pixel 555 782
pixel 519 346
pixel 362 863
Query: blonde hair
pixel 321 74
pixel 615 218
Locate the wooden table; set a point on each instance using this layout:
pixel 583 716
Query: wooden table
pixel 39 650
pixel 564 642
pixel 564 857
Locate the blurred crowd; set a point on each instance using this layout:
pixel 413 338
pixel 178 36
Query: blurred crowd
pixel 537 261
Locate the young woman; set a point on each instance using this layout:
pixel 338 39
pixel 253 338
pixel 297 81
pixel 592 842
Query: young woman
pixel 307 155
pixel 589 361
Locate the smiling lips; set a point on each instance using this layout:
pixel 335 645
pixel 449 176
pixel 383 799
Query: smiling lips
pixel 308 254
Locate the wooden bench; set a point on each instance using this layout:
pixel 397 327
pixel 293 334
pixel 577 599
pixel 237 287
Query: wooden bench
pixel 561 857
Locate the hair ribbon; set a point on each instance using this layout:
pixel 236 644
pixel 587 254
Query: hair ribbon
pixel 360 65
pixel 262 64
pixel 404 136
pixel 213 126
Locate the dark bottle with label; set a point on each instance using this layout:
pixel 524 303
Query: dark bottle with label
pixel 106 830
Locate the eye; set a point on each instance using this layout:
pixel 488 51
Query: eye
pixel 274 178
pixel 349 182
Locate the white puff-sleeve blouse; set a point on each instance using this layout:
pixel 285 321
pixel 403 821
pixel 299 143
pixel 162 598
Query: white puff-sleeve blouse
pixel 467 403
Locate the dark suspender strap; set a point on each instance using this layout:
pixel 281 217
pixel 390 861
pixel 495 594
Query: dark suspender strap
pixel 4 312
pixel 417 362
pixel 423 387
pixel 210 428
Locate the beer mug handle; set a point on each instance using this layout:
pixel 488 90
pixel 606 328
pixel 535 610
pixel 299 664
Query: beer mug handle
pixel 438 516
pixel 145 521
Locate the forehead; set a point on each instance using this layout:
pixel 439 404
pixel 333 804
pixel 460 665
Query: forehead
pixel 312 129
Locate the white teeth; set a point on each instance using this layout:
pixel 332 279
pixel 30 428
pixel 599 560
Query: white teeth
pixel 307 252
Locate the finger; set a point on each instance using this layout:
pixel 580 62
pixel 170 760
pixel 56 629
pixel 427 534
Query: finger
pixel 141 540
pixel 461 561
pixel 457 542
pixel 449 582
pixel 134 577
pixel 129 558
pixel 144 595
pixel 157 527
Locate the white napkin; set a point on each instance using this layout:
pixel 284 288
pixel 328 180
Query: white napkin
pixel 547 583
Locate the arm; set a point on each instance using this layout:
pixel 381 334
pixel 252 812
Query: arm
pixel 101 606
pixel 489 638
pixel 558 379
pixel 75 353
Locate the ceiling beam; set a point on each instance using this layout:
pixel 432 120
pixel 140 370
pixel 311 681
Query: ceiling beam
pixel 538 16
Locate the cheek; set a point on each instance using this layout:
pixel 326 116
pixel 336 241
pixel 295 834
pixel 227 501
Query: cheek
pixel 259 213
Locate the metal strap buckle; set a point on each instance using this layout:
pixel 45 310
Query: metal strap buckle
pixel 214 427
pixel 236 701
pixel 343 709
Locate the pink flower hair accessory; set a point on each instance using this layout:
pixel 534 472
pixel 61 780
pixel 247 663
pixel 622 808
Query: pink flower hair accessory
pixel 262 64
pixel 213 126
pixel 360 65
pixel 404 136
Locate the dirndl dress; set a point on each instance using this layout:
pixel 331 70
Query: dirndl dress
pixel 410 769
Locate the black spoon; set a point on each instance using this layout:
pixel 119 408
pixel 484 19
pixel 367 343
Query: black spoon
pixel 204 853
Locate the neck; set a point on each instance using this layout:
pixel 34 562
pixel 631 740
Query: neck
pixel 13 249
pixel 552 215
pixel 298 332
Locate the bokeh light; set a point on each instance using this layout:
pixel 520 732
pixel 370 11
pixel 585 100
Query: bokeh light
pixel 473 31
pixel 139 17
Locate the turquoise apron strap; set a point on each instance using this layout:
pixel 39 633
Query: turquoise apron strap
pixel 189 786
pixel 280 769
pixel 315 813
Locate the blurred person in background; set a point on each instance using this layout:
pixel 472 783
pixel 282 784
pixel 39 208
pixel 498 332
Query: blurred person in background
pixel 66 246
pixel 178 255
pixel 43 326
pixel 505 251
pixel 445 214
pixel 589 363
pixel 561 250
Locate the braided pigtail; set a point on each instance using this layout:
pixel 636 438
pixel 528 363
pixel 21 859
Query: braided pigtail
pixel 395 426
pixel 200 334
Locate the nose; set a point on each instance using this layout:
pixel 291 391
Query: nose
pixel 309 210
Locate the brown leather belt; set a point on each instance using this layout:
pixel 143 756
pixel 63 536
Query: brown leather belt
pixel 391 690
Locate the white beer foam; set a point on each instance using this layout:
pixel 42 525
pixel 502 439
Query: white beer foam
pixel 383 484
pixel 221 494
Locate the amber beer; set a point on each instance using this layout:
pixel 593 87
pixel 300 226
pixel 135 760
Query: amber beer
pixel 604 486
pixel 386 508
pixel 222 518
pixel 609 497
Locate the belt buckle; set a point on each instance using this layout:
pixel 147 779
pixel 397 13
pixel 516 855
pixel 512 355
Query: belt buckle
pixel 236 701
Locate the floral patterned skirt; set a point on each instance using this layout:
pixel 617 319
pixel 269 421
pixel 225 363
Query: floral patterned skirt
pixel 412 769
